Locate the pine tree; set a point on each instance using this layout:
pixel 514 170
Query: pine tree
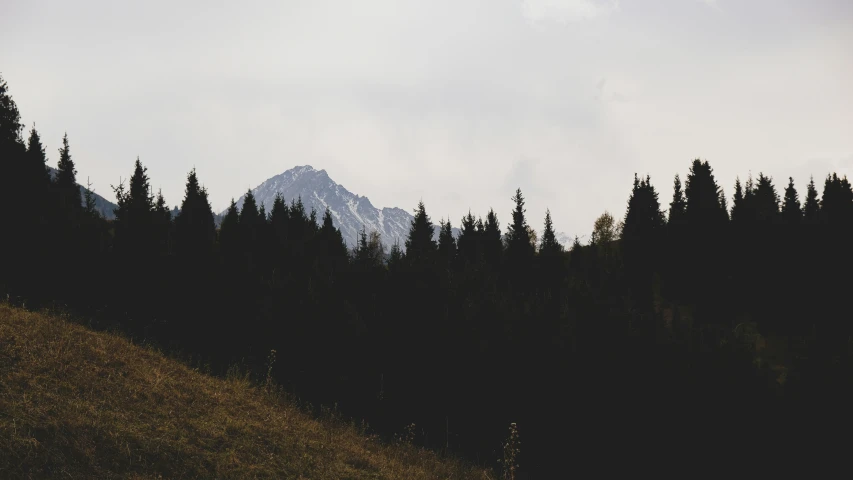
pixel 195 228
pixel 89 201
pixel 549 246
pixel 332 250
pixel 702 194
pixel 519 249
pixel 395 258
pixel 792 214
pixel 446 243
pixel 10 120
pixel 135 233
pixel 229 234
pixel 678 205
pixel 70 201
pixel 811 209
pixel 162 225
pixel 469 241
pixel 420 246
pixel 737 202
pixel 491 238
pixel 35 176
pixel 642 235
pixel 766 200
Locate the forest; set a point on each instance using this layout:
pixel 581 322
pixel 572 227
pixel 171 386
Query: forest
pixel 680 319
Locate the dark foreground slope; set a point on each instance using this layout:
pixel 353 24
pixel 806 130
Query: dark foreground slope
pixel 81 404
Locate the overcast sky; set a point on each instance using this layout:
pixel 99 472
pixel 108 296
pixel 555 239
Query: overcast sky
pixel 456 102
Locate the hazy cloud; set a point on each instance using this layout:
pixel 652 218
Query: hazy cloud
pixel 456 102
pixel 566 11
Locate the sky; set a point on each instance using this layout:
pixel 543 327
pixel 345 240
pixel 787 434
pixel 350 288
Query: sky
pixel 453 102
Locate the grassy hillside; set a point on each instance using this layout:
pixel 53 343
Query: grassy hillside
pixel 81 404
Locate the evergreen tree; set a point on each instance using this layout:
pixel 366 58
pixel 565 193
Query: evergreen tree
pixel 469 241
pixel 70 201
pixel 162 221
pixel 642 233
pixel 492 244
pixel 135 233
pixel 446 243
pixel 10 120
pixel 420 246
pixel 766 200
pixel 229 235
pixel 550 246
pixel 702 194
pixel 519 249
pixel 332 250
pixel 395 258
pixel 195 228
pixel 811 209
pixel 792 214
pixel 737 202
pixel 678 205
pixel 35 178
pixel 250 224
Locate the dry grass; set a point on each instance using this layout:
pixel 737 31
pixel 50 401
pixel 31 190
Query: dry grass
pixel 81 404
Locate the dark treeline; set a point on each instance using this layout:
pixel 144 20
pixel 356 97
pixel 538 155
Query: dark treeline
pixel 675 316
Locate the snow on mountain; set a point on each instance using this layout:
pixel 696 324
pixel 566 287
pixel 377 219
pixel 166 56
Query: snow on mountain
pixel 350 212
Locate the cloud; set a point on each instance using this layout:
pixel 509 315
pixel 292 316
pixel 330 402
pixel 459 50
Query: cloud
pixel 711 3
pixel 567 11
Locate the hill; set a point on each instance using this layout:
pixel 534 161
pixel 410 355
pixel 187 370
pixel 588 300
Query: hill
pixel 103 206
pixel 78 403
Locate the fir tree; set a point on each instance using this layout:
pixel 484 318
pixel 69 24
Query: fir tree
pixel 135 232
pixel 395 258
pixel 811 209
pixel 519 248
pixel 420 246
pixel 195 229
pixel 446 242
pixel 642 232
pixel 89 201
pixel 766 200
pixel 35 174
pixel 469 241
pixel 549 246
pixel 737 202
pixel 678 205
pixel 332 251
pixel 229 235
pixel 10 119
pixel 702 194
pixel 70 201
pixel 492 244
pixel 792 214
pixel 162 225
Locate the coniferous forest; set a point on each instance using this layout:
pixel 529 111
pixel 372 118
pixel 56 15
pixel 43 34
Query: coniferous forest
pixel 691 323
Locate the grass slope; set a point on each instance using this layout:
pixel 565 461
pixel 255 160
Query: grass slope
pixel 81 404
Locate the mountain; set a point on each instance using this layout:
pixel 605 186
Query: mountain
pixel 349 211
pixel 102 205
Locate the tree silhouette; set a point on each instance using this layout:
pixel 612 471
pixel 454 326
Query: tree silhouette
pixel 792 214
pixel 519 251
pixel 492 243
pixel 420 246
pixel 446 243
pixel 195 229
pixel 811 209
pixel 65 184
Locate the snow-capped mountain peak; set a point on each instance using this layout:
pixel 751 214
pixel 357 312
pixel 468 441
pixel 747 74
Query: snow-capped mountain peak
pixel 350 212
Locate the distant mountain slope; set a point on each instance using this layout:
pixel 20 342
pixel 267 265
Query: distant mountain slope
pixel 102 205
pixel 83 404
pixel 349 211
